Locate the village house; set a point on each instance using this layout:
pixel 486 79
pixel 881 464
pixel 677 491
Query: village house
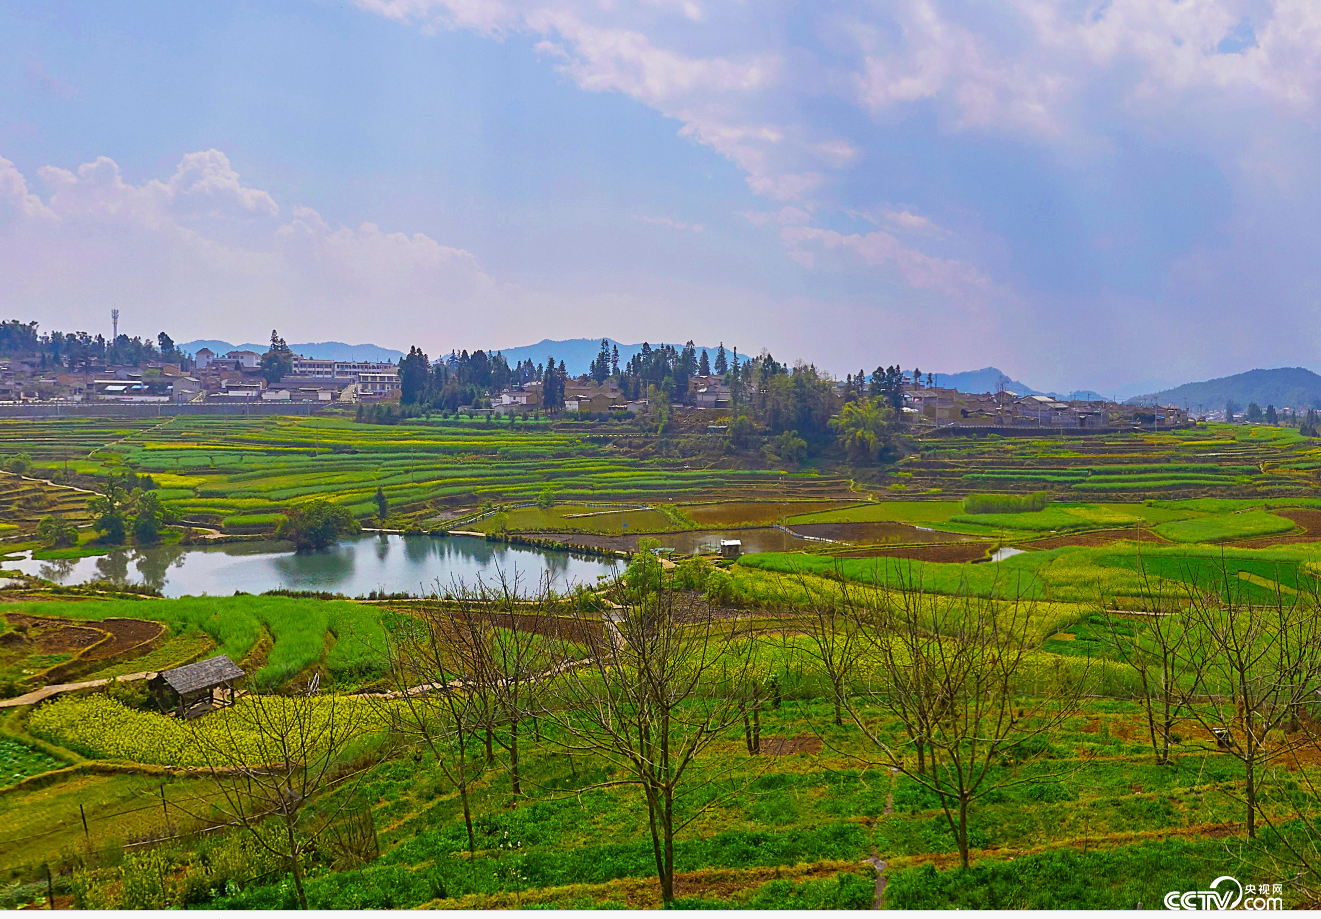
pixel 248 360
pixel 343 372
pixel 378 385
pixel 710 392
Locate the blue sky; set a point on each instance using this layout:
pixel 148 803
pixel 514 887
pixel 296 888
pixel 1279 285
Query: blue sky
pixel 1108 195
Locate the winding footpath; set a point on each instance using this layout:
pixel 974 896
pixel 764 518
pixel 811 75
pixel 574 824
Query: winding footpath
pixel 45 692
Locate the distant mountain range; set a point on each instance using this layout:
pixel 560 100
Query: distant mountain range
pixel 321 350
pixel 578 353
pixel 1283 387
pixel 1294 387
pixel 988 379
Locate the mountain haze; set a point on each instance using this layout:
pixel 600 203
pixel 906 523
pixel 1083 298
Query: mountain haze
pixel 1283 387
pixel 321 350
pixel 578 353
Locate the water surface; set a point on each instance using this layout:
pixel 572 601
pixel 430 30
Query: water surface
pixel 384 562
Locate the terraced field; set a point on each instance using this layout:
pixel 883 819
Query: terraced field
pixel 1223 460
pixel 24 501
pixel 242 472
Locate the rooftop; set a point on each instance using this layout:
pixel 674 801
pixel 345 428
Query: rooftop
pixel 202 675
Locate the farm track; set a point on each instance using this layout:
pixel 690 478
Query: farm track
pixel 55 689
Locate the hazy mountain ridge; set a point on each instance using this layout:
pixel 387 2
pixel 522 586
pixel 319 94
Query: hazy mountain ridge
pixel 1283 387
pixel 578 353
pixel 321 350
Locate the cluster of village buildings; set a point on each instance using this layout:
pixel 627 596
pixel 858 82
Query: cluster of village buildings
pixel 234 377
pixel 943 407
pixel 603 398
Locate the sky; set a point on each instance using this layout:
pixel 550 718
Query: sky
pixel 1117 195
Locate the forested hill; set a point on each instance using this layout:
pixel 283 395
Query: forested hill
pixel 1283 387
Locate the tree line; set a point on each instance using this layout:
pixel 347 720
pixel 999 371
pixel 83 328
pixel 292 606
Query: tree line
pixel 80 350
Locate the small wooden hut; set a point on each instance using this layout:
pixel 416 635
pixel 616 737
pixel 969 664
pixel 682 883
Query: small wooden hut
pixel 183 687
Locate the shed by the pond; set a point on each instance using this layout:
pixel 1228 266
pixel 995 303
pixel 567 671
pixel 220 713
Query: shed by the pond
pixel 183 687
pixel 731 548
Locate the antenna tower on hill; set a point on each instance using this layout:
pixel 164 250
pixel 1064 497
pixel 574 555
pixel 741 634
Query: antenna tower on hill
pixel 114 325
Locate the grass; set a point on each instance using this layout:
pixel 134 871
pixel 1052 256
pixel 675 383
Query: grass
pixel 1057 517
pixel 298 626
pixel 1241 525
pixel 804 819
pixel 777 832
pixel 40 824
pixel 178 649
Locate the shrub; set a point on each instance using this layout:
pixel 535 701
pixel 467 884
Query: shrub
pixel 720 588
pixel 316 525
pixel 55 532
pixel 693 573
pixel 1005 504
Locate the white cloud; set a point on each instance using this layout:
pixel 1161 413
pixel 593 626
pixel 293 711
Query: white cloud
pixel 908 222
pixel 201 250
pixel 961 282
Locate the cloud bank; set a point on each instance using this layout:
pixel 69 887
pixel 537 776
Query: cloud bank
pixel 1117 159
pixel 201 250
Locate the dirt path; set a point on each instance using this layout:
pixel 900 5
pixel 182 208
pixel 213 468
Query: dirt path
pixel 46 692
pixel 874 860
pixel 32 478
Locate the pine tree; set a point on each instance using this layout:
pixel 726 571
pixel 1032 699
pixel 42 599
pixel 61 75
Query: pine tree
pixel 722 363
pixel 704 365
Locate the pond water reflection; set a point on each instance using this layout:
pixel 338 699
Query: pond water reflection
pixel 384 562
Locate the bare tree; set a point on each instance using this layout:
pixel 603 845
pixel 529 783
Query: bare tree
pixel 834 644
pixel 500 658
pixel 1296 852
pixel 655 686
pixel 1154 643
pixel 1260 666
pixel 955 675
pixel 270 757
pixel 432 700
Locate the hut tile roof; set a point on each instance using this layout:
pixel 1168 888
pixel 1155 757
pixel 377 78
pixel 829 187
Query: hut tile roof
pixel 202 675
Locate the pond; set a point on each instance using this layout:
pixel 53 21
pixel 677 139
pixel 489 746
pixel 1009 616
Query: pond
pixel 384 562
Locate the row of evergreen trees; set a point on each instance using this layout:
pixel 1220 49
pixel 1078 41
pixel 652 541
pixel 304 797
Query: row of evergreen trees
pixel 79 350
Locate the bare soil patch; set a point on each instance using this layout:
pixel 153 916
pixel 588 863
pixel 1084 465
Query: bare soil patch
pixel 1100 538
pixel 876 531
pixel 787 746
pixel 55 636
pixel 1307 518
pixel 753 513
pixel 125 635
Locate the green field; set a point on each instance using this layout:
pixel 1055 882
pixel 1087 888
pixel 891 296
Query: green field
pixel 1082 817
pixel 243 472
pixel 290 635
pixel 1241 525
